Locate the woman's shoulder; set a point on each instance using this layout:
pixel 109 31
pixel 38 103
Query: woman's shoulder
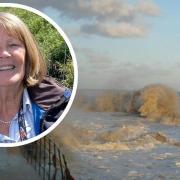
pixel 48 93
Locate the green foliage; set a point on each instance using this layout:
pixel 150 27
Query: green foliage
pixel 69 71
pixel 51 43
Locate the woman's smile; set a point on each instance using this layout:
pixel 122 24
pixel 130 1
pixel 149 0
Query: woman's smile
pixel 7 67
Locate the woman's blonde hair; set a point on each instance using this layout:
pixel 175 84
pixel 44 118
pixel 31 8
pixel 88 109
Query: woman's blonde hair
pixel 35 65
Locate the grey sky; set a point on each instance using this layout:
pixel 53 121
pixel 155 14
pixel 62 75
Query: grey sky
pixel 113 18
pixel 123 44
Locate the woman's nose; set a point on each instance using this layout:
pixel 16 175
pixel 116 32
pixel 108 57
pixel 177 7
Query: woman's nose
pixel 4 53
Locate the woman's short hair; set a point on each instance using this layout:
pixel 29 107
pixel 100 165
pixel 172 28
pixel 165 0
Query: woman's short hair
pixel 35 65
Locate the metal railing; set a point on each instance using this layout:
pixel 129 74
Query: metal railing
pixel 45 156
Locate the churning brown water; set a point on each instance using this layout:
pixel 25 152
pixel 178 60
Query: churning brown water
pixel 123 135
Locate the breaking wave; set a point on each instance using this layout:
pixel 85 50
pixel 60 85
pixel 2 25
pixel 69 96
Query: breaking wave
pixel 156 102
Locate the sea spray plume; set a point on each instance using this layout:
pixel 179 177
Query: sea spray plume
pixel 159 103
pixel 71 136
pixel 106 103
pixel 156 102
pixel 64 136
pixel 103 100
pixel 111 102
pixel 135 102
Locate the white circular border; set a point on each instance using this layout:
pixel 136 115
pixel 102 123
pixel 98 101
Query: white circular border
pixel 15 5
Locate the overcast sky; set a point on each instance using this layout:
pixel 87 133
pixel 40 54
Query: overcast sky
pixel 120 44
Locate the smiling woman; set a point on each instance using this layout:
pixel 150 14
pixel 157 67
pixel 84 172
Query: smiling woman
pixel 30 101
pixel 11 70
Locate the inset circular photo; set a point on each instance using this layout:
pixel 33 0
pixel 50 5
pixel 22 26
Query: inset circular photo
pixel 38 74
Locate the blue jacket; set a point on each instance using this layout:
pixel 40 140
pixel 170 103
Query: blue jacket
pixel 49 99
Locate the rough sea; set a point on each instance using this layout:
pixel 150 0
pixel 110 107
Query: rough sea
pixel 119 145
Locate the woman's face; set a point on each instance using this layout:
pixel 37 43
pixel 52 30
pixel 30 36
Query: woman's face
pixel 12 60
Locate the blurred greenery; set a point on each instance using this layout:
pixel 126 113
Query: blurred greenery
pixel 51 43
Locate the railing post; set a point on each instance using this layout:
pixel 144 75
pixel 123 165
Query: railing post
pixel 54 162
pixel 44 158
pixel 36 148
pixel 40 157
pixel 49 174
pixel 60 163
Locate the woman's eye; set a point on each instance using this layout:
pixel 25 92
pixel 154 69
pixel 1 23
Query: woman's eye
pixel 13 45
